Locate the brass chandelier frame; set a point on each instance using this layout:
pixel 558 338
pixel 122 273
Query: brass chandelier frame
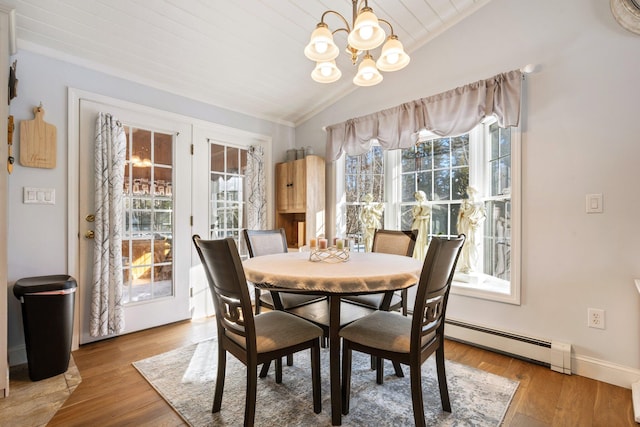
pixel 363 34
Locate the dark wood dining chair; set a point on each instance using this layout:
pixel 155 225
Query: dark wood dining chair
pixel 409 340
pixel 252 339
pixel 267 242
pixel 397 242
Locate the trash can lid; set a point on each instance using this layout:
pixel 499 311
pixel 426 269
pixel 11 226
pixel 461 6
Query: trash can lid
pixel 32 285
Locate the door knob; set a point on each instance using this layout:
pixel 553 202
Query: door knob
pixel 90 218
pixel 89 234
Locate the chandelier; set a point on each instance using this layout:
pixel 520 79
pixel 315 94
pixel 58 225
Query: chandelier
pixel 364 35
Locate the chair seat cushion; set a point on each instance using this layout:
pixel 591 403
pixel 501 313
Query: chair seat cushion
pixel 277 329
pixel 383 330
pixel 289 299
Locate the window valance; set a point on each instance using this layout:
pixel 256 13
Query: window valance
pixel 447 114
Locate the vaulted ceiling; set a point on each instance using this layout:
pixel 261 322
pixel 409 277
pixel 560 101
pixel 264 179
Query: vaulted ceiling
pixel 242 55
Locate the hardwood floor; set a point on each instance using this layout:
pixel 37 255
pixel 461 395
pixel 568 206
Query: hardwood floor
pixel 113 393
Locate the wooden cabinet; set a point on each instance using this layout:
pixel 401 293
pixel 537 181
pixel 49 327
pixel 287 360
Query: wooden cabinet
pixel 291 186
pixel 300 199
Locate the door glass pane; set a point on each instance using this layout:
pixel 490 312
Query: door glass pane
pixel 148 216
pixel 227 192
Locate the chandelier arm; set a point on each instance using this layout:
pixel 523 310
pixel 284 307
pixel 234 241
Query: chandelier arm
pixel 340 29
pixel 348 29
pixel 389 24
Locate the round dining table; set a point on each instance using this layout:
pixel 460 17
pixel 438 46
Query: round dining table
pixel 334 275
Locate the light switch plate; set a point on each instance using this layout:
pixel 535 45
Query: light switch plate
pixel 42 196
pixel 594 203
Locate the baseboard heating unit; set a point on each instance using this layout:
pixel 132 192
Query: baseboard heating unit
pixel 556 355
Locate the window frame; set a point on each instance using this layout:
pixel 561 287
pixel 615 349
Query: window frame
pixel 493 289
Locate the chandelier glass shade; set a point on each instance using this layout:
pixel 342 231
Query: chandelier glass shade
pixel 367 33
pixel 363 35
pixel 326 72
pixel 321 47
pixel 368 74
pixel 393 56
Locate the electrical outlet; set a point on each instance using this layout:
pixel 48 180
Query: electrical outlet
pixel 595 318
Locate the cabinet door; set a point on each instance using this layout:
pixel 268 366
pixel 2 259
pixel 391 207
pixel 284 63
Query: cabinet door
pixel 298 192
pixel 283 187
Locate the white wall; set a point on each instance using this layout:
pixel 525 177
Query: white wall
pixel 37 235
pixel 581 134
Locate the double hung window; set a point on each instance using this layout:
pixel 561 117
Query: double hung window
pixel 485 159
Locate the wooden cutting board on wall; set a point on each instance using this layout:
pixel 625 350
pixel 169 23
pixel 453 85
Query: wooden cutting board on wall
pixel 38 142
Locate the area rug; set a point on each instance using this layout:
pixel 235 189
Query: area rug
pixel 185 379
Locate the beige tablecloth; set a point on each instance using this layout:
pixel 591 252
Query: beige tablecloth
pixel 363 272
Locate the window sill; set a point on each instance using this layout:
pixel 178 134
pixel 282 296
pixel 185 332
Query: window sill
pixel 484 287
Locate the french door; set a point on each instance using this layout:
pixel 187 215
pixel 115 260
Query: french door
pixel 221 187
pixel 156 244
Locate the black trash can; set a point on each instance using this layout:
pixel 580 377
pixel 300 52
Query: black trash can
pixel 47 315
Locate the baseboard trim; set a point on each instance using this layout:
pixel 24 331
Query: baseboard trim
pixel 17 355
pixel 539 351
pixel 601 370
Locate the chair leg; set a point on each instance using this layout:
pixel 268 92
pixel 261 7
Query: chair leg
pixel 289 359
pixel 379 367
pixel 315 377
pixel 257 300
pixel 442 380
pixel 379 370
pixel 222 365
pixel 265 369
pixel 250 402
pixel 279 370
pixel 405 309
pixel 398 369
pixel 346 376
pixel 416 394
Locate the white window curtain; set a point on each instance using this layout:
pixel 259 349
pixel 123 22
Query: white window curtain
pixel 447 114
pixel 107 311
pixel 256 192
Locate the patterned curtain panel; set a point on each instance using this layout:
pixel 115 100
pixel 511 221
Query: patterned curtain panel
pixel 107 311
pixel 257 195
